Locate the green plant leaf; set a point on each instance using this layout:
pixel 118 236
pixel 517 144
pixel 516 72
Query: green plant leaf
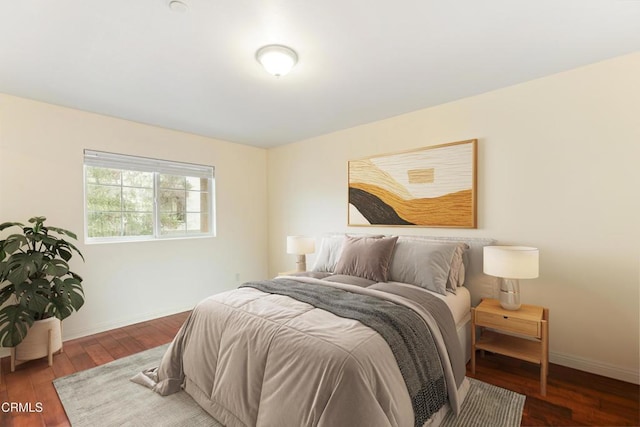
pixel 66 244
pixel 19 275
pixel 3 269
pixel 49 241
pixel 37 219
pixel 57 267
pixel 63 231
pixel 13 243
pixel 34 237
pixel 6 293
pixel 15 321
pixel 67 296
pixel 76 276
pixel 64 254
pixel 34 295
pixel 10 224
pixel 38 304
pixel 22 266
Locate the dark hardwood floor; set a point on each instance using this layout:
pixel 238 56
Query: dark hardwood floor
pixel 32 381
pixel 573 397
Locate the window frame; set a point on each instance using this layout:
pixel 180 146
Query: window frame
pixel 158 167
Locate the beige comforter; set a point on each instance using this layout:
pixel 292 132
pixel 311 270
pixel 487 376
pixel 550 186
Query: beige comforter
pixel 234 357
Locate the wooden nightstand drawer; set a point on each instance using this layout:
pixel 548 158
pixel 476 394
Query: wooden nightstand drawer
pixel 508 323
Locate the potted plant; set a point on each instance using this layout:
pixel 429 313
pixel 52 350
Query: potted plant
pixel 37 289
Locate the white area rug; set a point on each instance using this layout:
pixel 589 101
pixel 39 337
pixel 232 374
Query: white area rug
pixel 104 397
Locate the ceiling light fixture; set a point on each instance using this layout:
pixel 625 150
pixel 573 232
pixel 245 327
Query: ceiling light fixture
pixel 277 59
pixel 178 6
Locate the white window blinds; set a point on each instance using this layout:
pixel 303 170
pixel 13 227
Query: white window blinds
pixel 145 164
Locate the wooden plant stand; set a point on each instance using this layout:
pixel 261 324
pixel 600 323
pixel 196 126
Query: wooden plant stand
pixel 43 339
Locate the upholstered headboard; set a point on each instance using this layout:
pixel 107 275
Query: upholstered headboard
pixel 479 284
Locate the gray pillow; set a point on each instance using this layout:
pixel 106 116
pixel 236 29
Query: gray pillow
pixel 457 270
pixel 424 264
pixel 366 257
pixel 330 250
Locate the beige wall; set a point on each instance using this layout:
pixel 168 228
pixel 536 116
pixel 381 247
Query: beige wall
pixel 558 169
pixel 41 154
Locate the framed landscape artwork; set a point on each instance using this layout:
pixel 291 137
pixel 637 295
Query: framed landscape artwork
pixel 429 187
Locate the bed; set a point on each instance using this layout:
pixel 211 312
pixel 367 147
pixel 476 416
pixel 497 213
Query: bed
pixel 376 334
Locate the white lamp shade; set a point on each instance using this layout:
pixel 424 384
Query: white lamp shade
pixel 299 245
pixel 277 60
pixel 511 262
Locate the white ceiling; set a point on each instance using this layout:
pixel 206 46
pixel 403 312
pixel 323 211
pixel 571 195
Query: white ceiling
pixel 359 60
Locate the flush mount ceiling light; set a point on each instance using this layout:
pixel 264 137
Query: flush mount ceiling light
pixel 178 6
pixel 277 59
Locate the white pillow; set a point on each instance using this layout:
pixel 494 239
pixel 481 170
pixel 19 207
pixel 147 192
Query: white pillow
pixel 329 253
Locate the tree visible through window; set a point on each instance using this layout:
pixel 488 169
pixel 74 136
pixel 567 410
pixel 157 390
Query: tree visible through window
pixel 133 198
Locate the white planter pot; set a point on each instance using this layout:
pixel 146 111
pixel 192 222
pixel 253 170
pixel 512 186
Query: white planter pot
pixel 43 339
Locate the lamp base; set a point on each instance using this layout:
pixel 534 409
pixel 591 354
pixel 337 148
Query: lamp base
pixel 301 263
pixel 510 294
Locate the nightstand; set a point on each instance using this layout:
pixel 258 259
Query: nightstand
pixel 522 334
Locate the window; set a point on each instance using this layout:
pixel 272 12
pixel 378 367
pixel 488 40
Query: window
pixel 137 198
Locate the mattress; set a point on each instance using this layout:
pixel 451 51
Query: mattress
pixel 459 303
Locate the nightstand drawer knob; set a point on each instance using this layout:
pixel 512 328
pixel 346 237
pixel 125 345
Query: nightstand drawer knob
pixel 506 317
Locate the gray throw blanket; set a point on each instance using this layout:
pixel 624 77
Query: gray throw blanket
pixel 409 338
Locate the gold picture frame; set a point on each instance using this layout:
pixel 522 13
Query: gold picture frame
pixel 433 186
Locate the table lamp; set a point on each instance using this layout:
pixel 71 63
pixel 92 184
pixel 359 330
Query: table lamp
pixel 301 245
pixel 510 263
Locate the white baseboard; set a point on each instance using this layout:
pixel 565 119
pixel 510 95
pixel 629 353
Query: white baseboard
pixel 595 367
pixel 107 326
